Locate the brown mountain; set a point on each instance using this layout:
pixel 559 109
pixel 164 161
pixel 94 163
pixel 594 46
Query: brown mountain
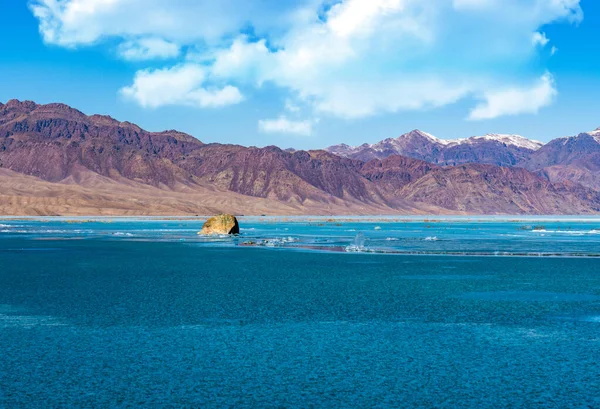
pixel 276 174
pixel 478 188
pixel 574 158
pixel 54 142
pixel 57 160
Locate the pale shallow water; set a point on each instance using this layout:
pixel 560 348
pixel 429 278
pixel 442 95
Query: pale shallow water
pixel 123 312
pixel 496 236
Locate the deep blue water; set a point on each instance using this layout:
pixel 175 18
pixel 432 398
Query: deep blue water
pixel 121 313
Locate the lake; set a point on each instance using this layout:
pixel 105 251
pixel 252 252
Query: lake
pixel 300 312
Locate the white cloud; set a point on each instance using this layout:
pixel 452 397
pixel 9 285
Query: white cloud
pixel 355 100
pixel 347 58
pixel 180 85
pixel 285 125
pixel 515 101
pixel 540 39
pixel 242 60
pixel 291 106
pixel 353 62
pixel 82 22
pixel 360 17
pixel 147 49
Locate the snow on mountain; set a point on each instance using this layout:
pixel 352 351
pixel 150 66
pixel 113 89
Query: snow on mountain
pixel 417 144
pixel 430 137
pixel 508 139
pixel 596 134
pixel 567 139
pixel 400 143
pixel 496 149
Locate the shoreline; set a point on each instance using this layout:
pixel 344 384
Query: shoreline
pixel 320 219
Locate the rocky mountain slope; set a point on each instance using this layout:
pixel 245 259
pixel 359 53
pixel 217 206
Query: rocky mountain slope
pixel 54 142
pixel 574 158
pixel 415 144
pixel 477 188
pixel 494 149
pixel 57 160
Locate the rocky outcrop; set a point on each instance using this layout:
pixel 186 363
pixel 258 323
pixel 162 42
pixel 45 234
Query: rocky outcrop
pixel 221 224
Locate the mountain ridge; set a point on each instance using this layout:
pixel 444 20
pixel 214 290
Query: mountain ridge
pixel 497 149
pixel 573 158
pixel 55 147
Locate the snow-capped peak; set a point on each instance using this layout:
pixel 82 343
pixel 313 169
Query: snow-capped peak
pixel 410 142
pixel 508 139
pixel 596 134
pixel 392 141
pixel 427 136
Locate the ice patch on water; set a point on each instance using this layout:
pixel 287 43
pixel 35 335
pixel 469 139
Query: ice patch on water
pixel 377 228
pixel 47 231
pixel 571 232
pixel 278 241
pixel 431 238
pixel 209 237
pixel 271 242
pixel 392 239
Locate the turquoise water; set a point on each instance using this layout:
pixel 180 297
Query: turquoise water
pixel 300 313
pixel 497 236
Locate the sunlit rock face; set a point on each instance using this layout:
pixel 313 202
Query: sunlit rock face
pixel 221 224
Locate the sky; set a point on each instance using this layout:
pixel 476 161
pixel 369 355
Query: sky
pixel 311 73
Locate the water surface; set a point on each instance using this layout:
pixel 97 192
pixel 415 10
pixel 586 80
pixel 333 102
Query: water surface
pixel 300 313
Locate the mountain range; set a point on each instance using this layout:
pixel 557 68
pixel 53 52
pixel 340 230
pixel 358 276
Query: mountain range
pixel 494 149
pixel 574 158
pixel 55 159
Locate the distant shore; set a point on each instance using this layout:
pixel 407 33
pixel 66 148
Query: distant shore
pixel 319 218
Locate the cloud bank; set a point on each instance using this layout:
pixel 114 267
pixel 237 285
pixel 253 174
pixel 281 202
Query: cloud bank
pixel 344 58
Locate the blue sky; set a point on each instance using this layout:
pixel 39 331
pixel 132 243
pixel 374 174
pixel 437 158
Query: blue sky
pixel 311 73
